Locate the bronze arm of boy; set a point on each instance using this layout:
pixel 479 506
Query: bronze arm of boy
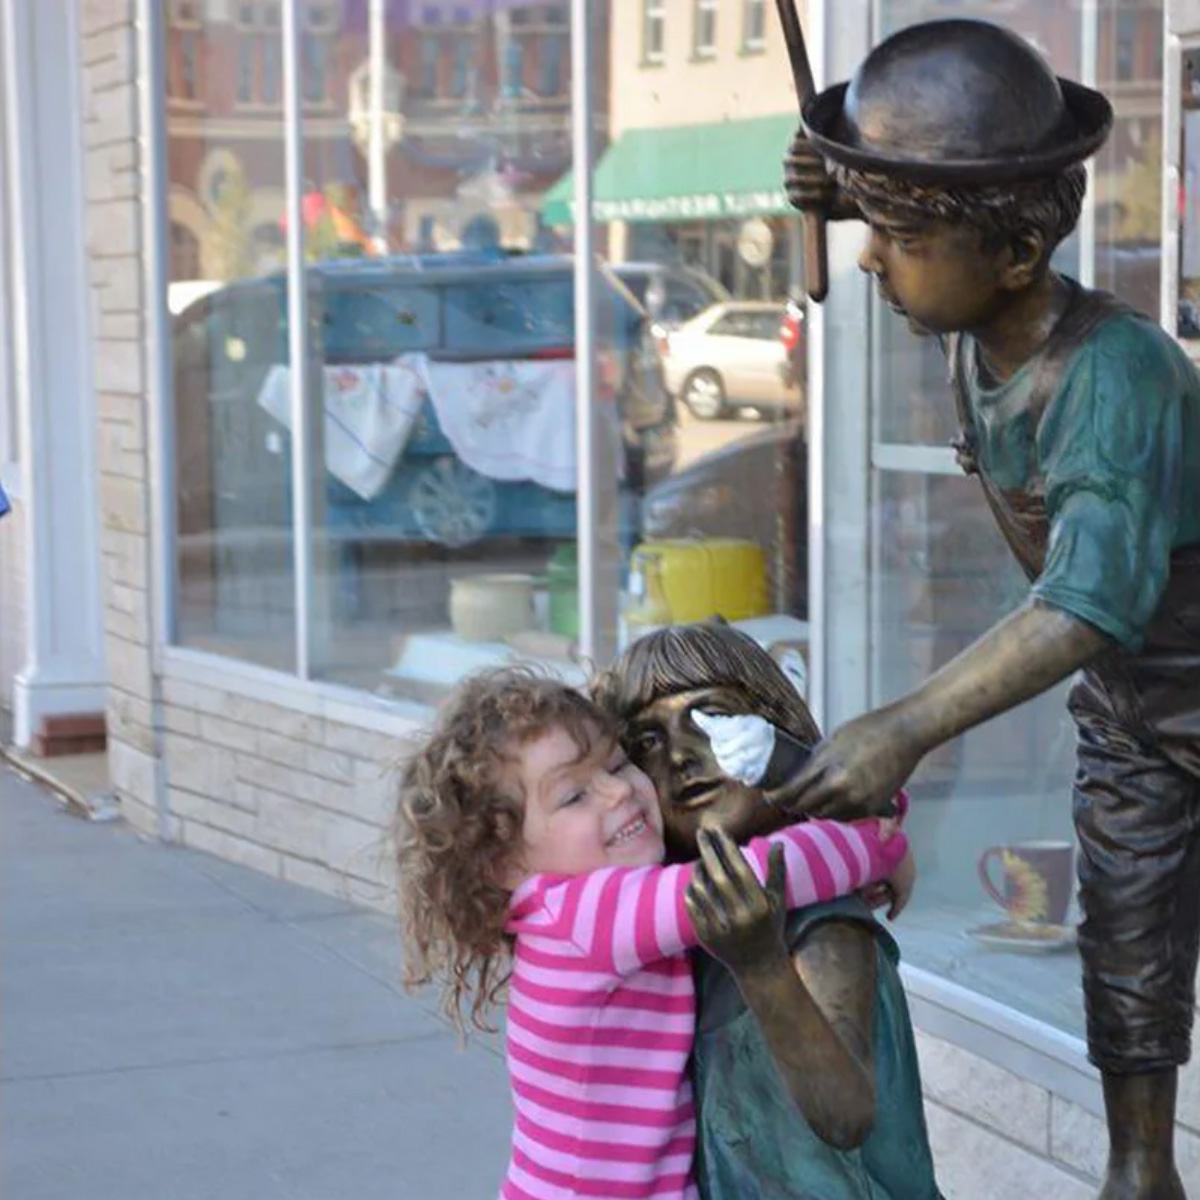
pixel 858 769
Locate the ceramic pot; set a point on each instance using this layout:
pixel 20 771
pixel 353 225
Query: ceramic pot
pixel 488 608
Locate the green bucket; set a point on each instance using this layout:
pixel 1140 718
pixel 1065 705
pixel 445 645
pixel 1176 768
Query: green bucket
pixel 562 588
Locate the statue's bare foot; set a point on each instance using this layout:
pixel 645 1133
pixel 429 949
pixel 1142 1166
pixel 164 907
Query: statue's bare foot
pixel 1137 1181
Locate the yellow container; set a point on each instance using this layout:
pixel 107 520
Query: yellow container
pixel 674 582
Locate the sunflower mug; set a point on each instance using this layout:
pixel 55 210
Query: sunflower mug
pixel 1036 884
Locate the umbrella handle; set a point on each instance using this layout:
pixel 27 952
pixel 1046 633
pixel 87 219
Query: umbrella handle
pixel 816 254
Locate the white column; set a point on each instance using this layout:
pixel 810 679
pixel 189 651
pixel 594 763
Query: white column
pixel 64 668
pixel 839 473
pixel 377 180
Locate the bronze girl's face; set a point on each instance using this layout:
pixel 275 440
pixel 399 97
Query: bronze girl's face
pixel 938 275
pixel 666 744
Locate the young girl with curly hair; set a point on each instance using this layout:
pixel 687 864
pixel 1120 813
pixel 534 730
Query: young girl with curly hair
pixel 531 854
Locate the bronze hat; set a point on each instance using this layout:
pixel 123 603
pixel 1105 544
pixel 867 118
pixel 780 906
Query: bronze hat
pixel 957 102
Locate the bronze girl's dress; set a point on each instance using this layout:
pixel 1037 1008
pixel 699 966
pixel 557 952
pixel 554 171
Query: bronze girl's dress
pixel 754 1143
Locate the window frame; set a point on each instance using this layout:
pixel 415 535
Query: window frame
pixel 705 29
pixel 754 11
pixel 654 32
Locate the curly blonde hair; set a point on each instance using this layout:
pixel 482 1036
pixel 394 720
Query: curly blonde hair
pixel 459 831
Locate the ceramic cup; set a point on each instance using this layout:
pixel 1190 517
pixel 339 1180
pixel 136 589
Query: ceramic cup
pixel 1036 880
pixel 487 608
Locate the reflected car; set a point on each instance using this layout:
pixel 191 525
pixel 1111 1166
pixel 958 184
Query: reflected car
pixel 732 356
pixel 670 292
pixel 741 491
pixel 233 458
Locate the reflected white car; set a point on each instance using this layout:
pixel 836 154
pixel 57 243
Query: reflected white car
pixel 731 356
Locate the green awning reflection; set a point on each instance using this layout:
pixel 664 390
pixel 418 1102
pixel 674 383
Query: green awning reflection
pixel 686 173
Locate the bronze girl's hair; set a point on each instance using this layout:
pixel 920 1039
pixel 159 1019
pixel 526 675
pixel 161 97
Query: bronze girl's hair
pixel 459 831
pixel 683 658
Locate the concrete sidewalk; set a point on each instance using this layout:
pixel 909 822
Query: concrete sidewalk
pixel 176 1028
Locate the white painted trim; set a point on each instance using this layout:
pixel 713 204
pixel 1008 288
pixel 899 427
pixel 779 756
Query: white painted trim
pixel 839 440
pixel 1089 50
pixel 1173 47
pixel 157 330
pixel 329 700
pixel 925 460
pixel 156 349
pixel 12 473
pixel 64 667
pixel 298 344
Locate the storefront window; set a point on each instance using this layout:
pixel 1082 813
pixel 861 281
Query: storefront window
pixel 228 297
pixel 442 346
pixel 940 572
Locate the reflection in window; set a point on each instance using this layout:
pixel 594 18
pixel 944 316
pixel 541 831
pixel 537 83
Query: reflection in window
pixel 514 68
pixel 245 71
pixel 653 32
pixel 462 74
pixel 704 38
pixel 430 57
pixel 1126 59
pixel 314 68
pixel 551 81
pixel 189 54
pixel 753 24
pixel 272 71
pixel 185 252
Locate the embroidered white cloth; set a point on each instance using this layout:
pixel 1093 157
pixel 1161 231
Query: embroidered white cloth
pixel 510 420
pixel 369 415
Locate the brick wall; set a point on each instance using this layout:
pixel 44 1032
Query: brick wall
pixel 112 182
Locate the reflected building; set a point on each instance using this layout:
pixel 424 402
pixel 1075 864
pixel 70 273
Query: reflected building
pixel 477 127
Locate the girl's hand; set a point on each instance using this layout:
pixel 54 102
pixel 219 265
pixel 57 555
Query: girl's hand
pixel 742 744
pixel 895 891
pixel 737 920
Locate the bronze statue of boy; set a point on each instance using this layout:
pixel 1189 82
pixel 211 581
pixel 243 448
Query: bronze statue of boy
pixel 962 152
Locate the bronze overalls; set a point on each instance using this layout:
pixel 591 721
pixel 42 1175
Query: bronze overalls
pixel 1137 784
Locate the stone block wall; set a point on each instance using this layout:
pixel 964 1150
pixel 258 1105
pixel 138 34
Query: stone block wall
pixel 114 223
pixel 306 796
pixel 996 1136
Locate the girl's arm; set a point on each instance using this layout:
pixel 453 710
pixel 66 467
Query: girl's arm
pixel 620 919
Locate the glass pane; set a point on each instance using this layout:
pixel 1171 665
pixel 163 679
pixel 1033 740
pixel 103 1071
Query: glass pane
pixel 444 340
pixel 941 572
pixel 227 295
pixel 1128 169
pixel 704 240
pixel 943 575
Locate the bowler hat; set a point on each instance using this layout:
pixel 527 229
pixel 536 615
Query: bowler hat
pixel 957 102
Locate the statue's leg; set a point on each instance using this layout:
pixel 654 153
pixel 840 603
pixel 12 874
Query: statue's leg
pixel 1140 1110
pixel 1137 815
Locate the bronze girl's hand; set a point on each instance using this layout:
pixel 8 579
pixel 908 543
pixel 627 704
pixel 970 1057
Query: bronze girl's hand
pixel 737 920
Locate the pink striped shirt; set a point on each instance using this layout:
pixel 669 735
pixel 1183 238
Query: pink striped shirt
pixel 601 1014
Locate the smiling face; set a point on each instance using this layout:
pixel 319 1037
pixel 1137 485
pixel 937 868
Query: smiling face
pixel 584 809
pixel 664 741
pixel 939 275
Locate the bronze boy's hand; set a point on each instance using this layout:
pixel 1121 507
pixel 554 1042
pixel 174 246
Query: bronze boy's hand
pixel 737 920
pixel 858 771
pixel 808 184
